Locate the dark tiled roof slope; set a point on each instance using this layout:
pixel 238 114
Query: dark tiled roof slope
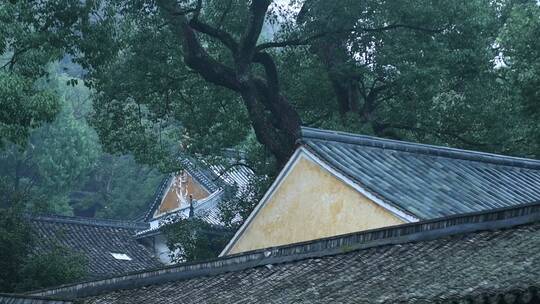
pixel 201 173
pixel 490 256
pixel 427 181
pixel 24 299
pixel 158 197
pixel 96 240
pixel 198 171
pixel 212 178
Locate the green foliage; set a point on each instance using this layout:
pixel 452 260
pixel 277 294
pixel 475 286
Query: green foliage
pixel 23 269
pixel 194 239
pixel 54 159
pixel 117 187
pixel 32 34
pixel 23 108
pixel 15 242
pixel 53 268
pixel 413 69
pixel 149 102
pixel 521 51
pixel 432 78
pixel 62 168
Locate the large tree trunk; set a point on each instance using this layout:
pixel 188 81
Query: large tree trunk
pixel 275 122
pixel 333 56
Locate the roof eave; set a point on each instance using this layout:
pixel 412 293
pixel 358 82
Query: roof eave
pixel 502 218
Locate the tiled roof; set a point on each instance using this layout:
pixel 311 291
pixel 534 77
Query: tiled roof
pixel 201 173
pixel 96 240
pixel 238 176
pixel 212 177
pixel 486 257
pixel 427 181
pixel 25 299
pixel 157 198
pixel 206 209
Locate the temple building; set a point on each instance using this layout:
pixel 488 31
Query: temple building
pixel 481 257
pixel 197 190
pixel 338 183
pixel 107 246
pixel 349 219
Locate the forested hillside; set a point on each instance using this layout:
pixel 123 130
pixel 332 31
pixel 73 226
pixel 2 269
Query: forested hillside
pixel 60 167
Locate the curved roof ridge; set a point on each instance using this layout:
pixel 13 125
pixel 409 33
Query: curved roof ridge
pixel 308 133
pixel 156 198
pixel 88 221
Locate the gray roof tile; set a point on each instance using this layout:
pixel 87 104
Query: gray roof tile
pixel 427 181
pixel 96 240
pixel 212 178
pixel 468 258
pixel 26 299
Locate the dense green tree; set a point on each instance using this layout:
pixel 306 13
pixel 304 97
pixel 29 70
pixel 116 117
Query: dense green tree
pixel 53 160
pixel 194 239
pixel 63 169
pixel 55 267
pixel 15 239
pixel 116 187
pixel 32 34
pixel 23 108
pixel 23 269
pixel 428 76
pixel 520 66
pixel 204 75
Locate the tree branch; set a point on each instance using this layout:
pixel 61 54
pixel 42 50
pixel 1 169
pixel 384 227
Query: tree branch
pixel 211 31
pixel 194 54
pixel 248 42
pixel 307 40
pixel 437 133
pixel 270 69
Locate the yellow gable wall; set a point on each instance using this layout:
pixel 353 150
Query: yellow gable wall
pixel 311 203
pixel 170 200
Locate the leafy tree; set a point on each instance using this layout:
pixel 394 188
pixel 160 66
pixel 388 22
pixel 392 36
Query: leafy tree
pixel 23 108
pixel 15 239
pixel 63 166
pixel 117 187
pixel 23 269
pixel 202 74
pixel 194 239
pixel 520 50
pixel 412 71
pixel 53 268
pixel 53 160
pixel 32 34
pixel 140 25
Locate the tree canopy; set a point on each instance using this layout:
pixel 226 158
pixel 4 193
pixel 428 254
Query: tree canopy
pixel 204 75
